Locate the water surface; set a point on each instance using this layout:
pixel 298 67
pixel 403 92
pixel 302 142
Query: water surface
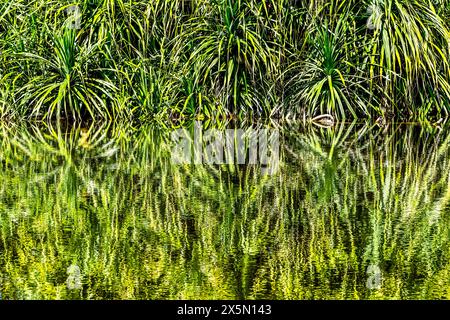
pixel 102 212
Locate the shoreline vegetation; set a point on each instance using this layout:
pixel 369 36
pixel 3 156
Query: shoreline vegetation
pixel 383 60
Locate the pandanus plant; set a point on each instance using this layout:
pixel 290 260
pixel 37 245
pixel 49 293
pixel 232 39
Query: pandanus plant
pixel 229 55
pixel 408 45
pixel 69 84
pixel 324 83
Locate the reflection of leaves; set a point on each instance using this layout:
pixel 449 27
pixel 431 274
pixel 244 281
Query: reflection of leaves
pixel 140 227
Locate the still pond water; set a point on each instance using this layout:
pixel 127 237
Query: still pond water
pixel 104 212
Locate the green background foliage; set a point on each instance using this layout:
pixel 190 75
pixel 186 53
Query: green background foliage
pixel 225 58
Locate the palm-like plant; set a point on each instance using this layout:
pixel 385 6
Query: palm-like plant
pixel 229 55
pixel 408 46
pixel 213 57
pixel 68 86
pixel 326 82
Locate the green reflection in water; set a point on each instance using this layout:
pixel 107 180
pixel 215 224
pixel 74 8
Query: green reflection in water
pixel 105 201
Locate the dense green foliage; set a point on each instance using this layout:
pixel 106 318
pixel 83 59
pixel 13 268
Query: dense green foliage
pixel 109 200
pixel 224 58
